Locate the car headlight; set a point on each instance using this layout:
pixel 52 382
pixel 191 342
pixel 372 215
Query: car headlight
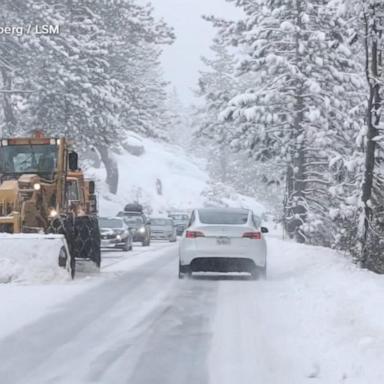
pixel 52 213
pixel 142 230
pixel 118 238
pixel 36 187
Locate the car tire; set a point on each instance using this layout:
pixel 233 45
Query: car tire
pixel 127 247
pixel 254 274
pixel 181 275
pixel 263 273
pixel 259 273
pixel 146 242
pixel 184 272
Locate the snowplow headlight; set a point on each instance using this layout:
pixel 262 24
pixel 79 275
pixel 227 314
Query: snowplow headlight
pixel 36 187
pixel 4 143
pixel 53 213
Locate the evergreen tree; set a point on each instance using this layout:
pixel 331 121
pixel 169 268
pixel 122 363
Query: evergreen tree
pixel 296 109
pixel 97 78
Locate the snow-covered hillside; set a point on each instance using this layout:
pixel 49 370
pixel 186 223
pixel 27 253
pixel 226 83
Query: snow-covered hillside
pixel 183 181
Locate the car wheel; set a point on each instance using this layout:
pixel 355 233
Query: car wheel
pixel 181 275
pixel 184 272
pixel 146 242
pixel 127 247
pixel 259 273
pixel 263 273
pixel 255 274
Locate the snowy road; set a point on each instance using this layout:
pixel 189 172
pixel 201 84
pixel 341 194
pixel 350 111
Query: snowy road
pixel 141 325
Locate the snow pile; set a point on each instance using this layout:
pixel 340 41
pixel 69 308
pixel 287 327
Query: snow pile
pixel 164 177
pixel 134 145
pixel 31 258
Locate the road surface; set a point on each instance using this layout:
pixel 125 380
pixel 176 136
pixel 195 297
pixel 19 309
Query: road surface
pixel 140 325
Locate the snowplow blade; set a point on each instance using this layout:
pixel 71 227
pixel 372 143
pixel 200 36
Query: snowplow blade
pixel 33 257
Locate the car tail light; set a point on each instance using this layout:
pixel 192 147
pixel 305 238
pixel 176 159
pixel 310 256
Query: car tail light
pixel 252 235
pixel 193 234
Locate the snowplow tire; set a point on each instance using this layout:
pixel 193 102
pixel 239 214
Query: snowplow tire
pixel 86 244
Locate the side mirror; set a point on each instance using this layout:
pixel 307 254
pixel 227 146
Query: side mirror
pixel 91 187
pixel 73 161
pixel 264 230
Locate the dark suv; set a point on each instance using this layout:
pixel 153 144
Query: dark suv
pixel 138 223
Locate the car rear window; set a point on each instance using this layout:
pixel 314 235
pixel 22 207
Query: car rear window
pixel 110 223
pixel 135 220
pixel 223 217
pixel 179 217
pixel 165 222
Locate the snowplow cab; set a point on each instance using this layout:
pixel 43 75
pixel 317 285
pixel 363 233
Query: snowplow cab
pixel 43 191
pixel 31 176
pixel 40 179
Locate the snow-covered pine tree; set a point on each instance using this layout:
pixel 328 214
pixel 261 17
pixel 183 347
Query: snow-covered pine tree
pixel 99 71
pixel 77 96
pixel 370 31
pixel 15 63
pixel 230 160
pixel 134 60
pixel 297 105
pixel 217 85
pixel 179 128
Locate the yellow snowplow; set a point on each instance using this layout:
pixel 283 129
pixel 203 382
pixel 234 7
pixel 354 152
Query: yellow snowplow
pixel 47 207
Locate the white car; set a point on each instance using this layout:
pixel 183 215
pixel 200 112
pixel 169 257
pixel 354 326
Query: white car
pixel 223 240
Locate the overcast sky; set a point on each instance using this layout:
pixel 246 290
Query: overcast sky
pixel 181 61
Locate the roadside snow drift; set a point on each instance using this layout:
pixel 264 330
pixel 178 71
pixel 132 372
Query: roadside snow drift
pixel 31 257
pixel 317 319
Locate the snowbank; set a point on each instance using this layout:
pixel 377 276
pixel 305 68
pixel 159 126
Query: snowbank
pixel 31 258
pixel 25 303
pixel 317 318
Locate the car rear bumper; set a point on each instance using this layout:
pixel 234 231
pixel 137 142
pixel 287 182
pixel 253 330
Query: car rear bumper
pixel 161 236
pixel 139 237
pixel 188 253
pixel 112 243
pixel 220 264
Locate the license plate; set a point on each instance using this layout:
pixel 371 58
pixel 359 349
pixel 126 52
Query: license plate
pixel 223 241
